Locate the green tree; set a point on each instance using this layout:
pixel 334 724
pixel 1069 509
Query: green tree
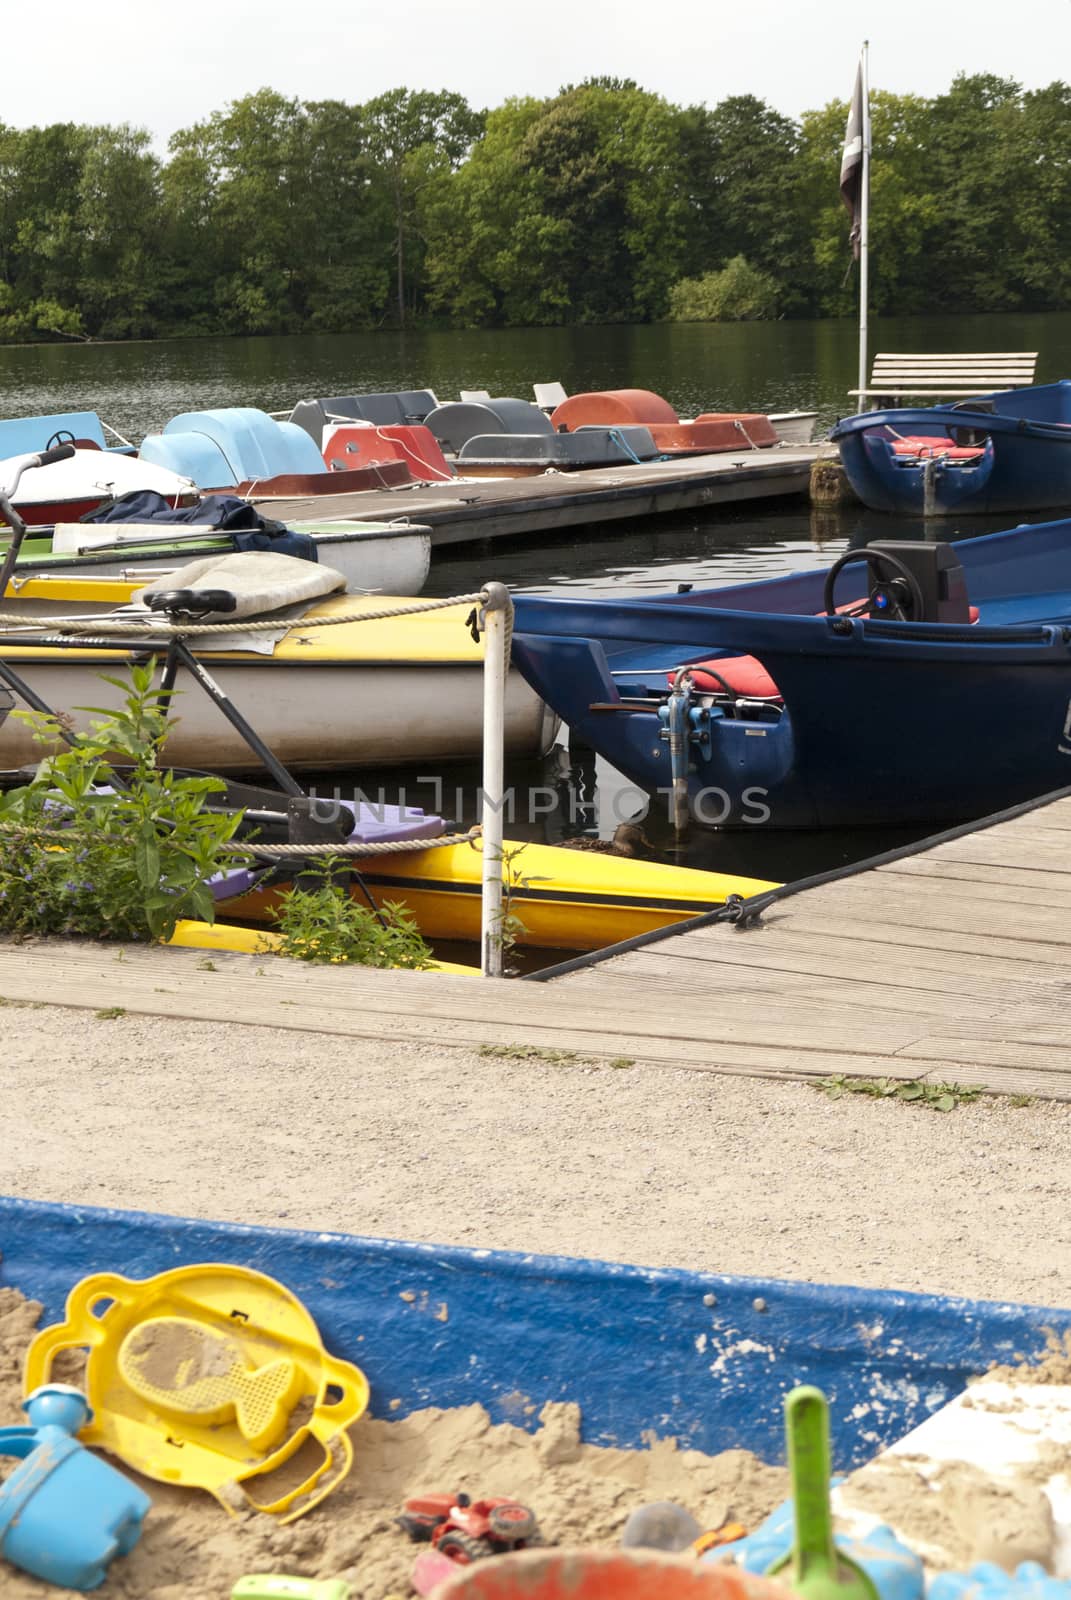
pixel 416 138
pixel 743 160
pixel 903 209
pixel 119 221
pixel 570 209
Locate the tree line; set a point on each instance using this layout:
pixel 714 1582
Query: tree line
pixel 602 203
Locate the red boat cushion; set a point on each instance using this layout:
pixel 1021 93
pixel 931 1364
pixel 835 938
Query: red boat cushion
pixel 745 675
pixel 922 446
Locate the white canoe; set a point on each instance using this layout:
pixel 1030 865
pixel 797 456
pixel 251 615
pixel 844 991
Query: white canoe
pixel 794 427
pixel 393 559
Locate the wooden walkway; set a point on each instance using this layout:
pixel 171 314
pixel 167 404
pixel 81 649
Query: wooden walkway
pixel 503 507
pixel 952 965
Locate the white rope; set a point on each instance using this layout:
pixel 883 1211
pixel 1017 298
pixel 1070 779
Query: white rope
pixel 381 847
pixel 102 628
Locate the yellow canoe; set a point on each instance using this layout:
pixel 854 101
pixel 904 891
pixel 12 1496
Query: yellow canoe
pixel 566 899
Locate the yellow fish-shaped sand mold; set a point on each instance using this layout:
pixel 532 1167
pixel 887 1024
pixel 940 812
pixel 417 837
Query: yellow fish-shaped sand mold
pixel 213 1377
pixel 185 1368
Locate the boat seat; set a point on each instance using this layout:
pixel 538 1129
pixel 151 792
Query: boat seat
pixel 394 410
pixel 253 445
pixel 458 421
pixel 193 455
pixel 917 447
pixel 391 409
pixel 549 395
pixel 316 415
pixel 588 447
pixel 385 410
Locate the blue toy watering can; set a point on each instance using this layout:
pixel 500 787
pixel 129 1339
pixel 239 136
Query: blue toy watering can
pixel 64 1513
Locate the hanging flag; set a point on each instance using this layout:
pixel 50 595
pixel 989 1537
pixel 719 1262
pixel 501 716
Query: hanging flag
pixel 851 164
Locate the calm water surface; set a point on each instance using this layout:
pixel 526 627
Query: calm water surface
pixel 759 366
pixel 745 366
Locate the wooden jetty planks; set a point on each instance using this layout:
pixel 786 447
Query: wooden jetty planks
pixel 502 507
pixel 412 1007
pixel 975 929
pixel 926 968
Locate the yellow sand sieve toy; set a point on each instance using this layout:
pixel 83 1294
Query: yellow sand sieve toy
pixel 212 1377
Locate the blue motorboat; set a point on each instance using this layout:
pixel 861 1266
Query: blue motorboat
pixel 911 682
pixel 1007 451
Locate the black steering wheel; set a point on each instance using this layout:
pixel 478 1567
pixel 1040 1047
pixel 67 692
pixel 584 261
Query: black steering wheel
pixel 898 597
pixel 61 436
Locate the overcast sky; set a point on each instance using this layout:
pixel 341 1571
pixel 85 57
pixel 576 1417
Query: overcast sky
pixel 163 64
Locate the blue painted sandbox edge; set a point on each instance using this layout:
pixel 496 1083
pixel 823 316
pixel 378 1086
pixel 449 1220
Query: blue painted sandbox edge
pixel 706 1358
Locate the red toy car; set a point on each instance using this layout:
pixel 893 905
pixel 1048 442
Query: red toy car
pixel 467 1530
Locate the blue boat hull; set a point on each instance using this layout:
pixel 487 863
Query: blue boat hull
pixel 1024 436
pixel 881 722
pixel 704 1358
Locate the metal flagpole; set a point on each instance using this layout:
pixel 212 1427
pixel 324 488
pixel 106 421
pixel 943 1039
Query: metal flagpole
pixel 864 226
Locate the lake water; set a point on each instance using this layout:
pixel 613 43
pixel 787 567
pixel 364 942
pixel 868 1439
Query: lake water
pixel 746 366
pixel 777 366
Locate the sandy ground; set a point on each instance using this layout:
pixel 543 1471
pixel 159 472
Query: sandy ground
pixel 660 1168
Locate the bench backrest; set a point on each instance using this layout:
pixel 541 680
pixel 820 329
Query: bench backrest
pixel 956 374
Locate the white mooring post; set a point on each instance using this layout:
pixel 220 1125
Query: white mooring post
pixel 495 618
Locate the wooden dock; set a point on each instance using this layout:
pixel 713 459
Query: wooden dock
pixel 498 508
pixel 951 965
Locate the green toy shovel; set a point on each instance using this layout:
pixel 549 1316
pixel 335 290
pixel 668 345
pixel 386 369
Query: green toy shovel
pixel 815 1568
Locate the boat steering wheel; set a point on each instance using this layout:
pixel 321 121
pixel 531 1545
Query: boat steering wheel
pixel 898 597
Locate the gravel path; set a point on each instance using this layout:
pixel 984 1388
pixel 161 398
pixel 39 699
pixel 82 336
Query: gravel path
pixel 661 1168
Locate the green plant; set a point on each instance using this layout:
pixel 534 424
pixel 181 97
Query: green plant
pixel 934 1096
pixel 530 1052
pixel 327 924
pixel 125 864
pixel 510 926
pixel 109 1012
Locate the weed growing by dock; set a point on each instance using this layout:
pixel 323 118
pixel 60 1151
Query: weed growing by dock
pixel 326 924
pixel 934 1096
pixel 549 1056
pixel 89 851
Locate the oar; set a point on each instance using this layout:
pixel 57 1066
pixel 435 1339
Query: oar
pixel 815 1568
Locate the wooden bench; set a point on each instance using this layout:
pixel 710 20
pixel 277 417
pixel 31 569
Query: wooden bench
pixel 897 377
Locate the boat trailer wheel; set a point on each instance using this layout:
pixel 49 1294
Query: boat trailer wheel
pixel 899 597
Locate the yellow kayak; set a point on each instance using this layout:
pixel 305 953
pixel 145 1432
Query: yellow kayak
pixel 566 899
pixel 225 936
